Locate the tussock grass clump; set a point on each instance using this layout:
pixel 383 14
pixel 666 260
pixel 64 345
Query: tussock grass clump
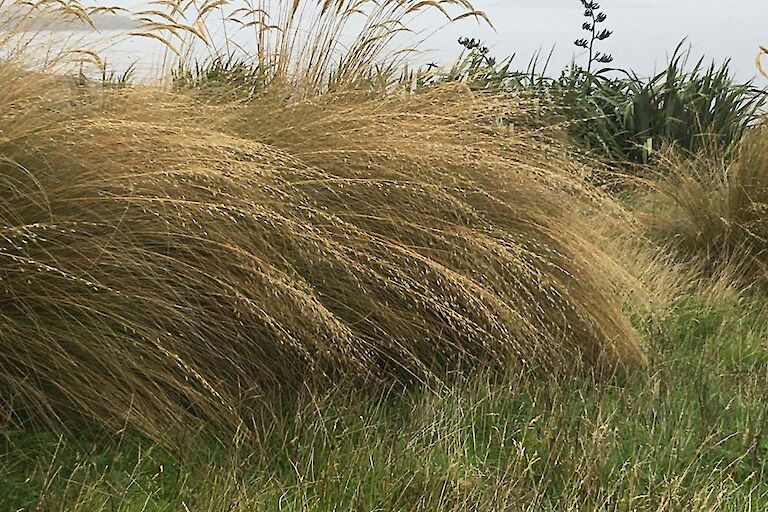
pixel 717 209
pixel 163 262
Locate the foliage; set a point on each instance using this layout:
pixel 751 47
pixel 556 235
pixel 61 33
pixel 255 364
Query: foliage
pixel 165 260
pixel 222 79
pixel 625 118
pixel 696 109
pixel 199 270
pixel 621 116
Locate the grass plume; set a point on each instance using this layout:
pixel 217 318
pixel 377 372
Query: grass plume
pixel 313 45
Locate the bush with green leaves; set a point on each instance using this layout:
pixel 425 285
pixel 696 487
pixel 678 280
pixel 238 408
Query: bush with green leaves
pixel 630 118
pixel 626 118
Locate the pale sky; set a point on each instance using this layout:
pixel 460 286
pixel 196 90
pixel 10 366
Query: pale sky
pixel 645 32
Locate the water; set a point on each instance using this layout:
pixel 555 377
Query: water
pixel 645 34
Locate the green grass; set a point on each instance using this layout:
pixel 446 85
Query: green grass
pixel 688 436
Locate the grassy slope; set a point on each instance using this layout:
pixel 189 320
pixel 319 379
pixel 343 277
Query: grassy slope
pixel 687 436
pixel 690 436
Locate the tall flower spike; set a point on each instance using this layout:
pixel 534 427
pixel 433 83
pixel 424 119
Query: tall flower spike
pixel 590 26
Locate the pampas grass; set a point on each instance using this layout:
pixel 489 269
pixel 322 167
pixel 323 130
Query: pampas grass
pixel 313 45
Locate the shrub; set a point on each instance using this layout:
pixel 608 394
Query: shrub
pixel 625 118
pixel 693 110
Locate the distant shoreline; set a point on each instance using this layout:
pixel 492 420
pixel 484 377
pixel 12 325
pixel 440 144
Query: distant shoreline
pixel 53 23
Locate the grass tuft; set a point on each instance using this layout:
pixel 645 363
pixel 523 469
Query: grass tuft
pixel 716 209
pixel 165 261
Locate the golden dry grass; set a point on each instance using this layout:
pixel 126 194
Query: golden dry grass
pixel 164 261
pixel 715 210
pixel 313 45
